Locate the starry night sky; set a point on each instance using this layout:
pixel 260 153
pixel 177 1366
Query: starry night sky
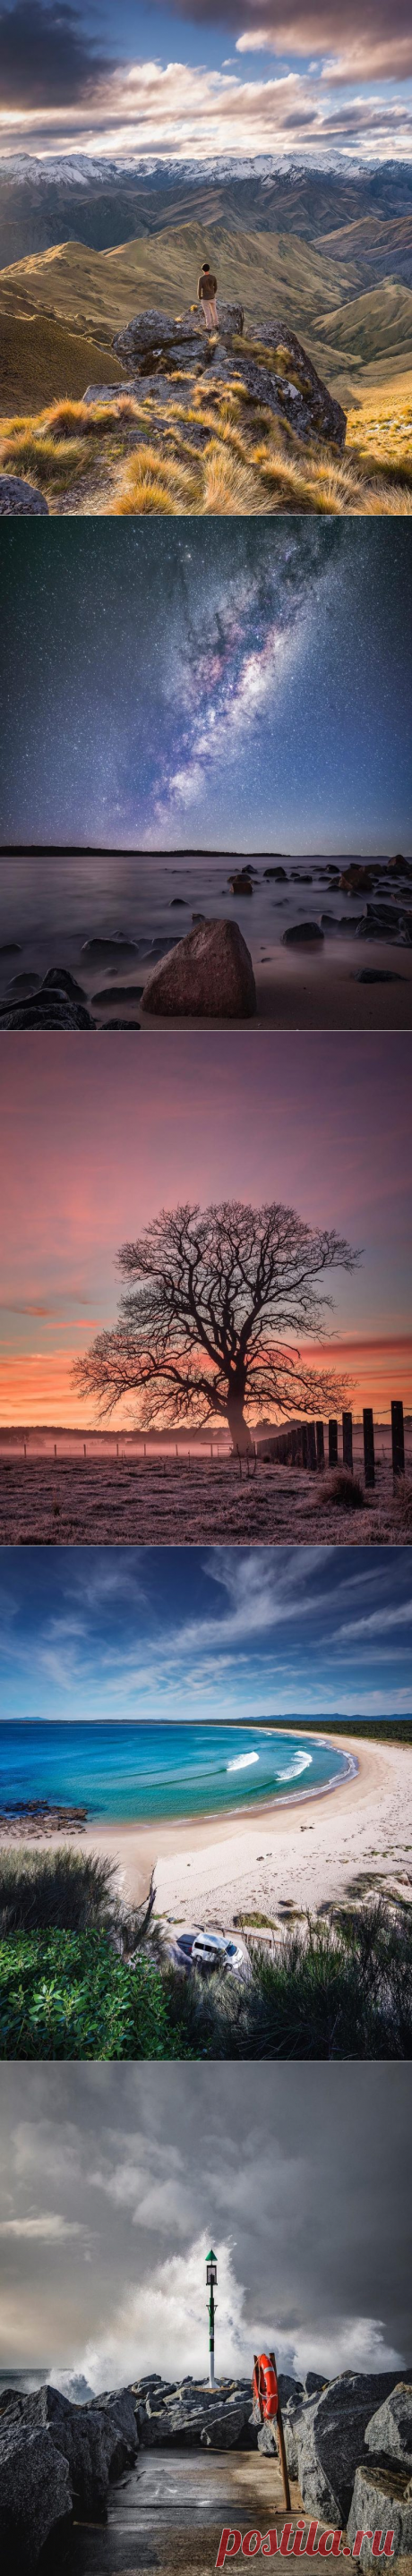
pixel 180 685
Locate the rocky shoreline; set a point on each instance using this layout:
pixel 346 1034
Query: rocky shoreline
pixel 348 2445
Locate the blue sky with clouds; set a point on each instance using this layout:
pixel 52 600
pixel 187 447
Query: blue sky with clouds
pixel 306 79
pixel 218 1633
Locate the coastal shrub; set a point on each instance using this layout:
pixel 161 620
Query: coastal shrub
pixel 403 1499
pixel 68 1995
pixel 58 1890
pixel 341 1989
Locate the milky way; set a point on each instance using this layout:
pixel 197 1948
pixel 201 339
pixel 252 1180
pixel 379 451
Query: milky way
pixel 208 685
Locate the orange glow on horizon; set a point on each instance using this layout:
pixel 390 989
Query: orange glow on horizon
pixel 38 1389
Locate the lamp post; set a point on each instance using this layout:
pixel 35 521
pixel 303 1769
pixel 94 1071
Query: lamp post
pixel 211 2279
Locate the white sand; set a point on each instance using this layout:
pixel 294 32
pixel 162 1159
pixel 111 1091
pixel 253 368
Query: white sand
pixel 305 1853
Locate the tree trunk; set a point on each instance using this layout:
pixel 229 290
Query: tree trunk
pixel 239 1431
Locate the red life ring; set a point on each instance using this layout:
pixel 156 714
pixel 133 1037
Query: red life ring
pixel 265 2387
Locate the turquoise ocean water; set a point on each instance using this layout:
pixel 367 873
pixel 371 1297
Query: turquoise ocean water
pixel 161 1772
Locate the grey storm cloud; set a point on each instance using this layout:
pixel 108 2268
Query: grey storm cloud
pixel 46 57
pixel 116 2179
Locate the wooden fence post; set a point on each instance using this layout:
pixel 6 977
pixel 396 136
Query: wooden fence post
pixel 368 1445
pixel 398 1440
pixel 347 1441
pixel 281 2441
pixel 312 1458
pixel 305 1453
pixel 320 1444
pixel 333 1444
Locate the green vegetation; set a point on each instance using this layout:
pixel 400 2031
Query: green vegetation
pixel 396 1730
pixel 341 1989
pixel 66 1994
pixel 91 1983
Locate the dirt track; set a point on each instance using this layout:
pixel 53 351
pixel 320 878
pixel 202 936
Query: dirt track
pixel 156 1502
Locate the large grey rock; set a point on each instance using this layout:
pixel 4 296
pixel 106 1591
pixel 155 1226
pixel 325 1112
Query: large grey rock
pixel 225 2425
pixel 35 2493
pixel 266 2440
pixel 330 2436
pixel 77 2434
pixel 209 975
pixel 290 384
pixel 389 2433
pixel 118 2409
pixel 19 499
pixel 303 934
pixel 381 2502
pixel 181 339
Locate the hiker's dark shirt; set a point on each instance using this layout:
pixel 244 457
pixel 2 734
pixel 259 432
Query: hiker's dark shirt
pixel 207 287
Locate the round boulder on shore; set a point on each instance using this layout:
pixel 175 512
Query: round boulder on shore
pixel 207 976
pixel 17 499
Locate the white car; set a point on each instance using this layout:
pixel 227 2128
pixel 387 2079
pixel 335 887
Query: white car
pixel 217 1950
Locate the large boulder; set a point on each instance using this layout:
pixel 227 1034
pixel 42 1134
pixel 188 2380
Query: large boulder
pixel 154 338
pixel 208 975
pixel 330 2434
pixel 116 2413
pixel 381 2502
pixel 35 2492
pixel 277 370
pixel 19 500
pixel 389 2433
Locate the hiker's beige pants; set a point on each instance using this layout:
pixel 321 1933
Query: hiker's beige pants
pixel 209 314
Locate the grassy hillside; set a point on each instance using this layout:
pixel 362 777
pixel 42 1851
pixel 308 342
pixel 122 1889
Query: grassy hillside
pixel 36 353
pixel 264 270
pixel 372 326
pixel 379 249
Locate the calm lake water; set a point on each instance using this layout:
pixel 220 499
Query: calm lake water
pixel 161 1771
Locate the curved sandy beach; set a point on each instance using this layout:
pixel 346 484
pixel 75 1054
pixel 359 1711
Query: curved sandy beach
pixel 305 1853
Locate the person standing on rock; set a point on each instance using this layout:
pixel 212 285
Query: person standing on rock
pixel 207 292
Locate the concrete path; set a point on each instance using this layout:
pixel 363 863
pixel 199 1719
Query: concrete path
pixel 169 2513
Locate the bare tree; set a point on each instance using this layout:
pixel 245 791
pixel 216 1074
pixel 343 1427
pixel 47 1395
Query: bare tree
pixel 220 1302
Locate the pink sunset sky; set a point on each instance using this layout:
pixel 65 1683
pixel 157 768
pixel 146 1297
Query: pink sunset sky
pixel 97 1138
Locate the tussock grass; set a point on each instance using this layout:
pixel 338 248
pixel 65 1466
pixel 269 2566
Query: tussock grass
pixel 249 463
pixel 344 1489
pixel 68 1890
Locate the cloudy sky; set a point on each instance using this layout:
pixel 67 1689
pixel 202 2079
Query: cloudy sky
pixel 96 1140
pixel 226 1632
pixel 270 708
pixel 115 2181
pixel 192 79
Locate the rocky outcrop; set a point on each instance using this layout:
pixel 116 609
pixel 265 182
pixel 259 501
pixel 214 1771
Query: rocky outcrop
pixel 381 2502
pixel 208 975
pixel 152 340
pixel 389 2433
pixel 270 363
pixel 19 499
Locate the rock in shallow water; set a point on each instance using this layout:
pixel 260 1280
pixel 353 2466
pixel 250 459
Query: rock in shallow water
pixel 303 934
pixel 209 975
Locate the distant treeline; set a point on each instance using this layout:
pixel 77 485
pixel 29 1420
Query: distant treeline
pixel 388 1730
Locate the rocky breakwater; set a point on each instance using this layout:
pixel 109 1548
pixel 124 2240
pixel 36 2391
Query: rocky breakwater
pixel 269 362
pixel 349 2444
pixel 56 2460
pixel 186 2412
